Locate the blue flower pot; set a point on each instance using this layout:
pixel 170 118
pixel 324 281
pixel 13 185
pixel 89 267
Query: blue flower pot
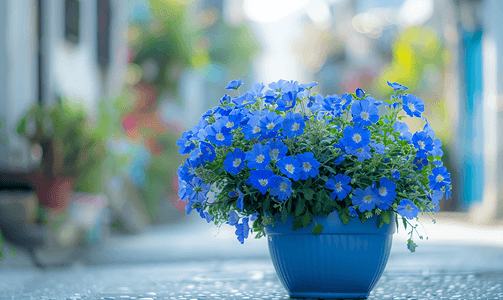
pixel 344 261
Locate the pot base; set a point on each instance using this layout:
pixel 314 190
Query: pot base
pixel 329 295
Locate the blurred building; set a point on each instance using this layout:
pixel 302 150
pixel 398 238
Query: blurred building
pixel 75 48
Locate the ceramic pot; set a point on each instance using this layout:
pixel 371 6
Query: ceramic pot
pixel 344 261
pixel 53 192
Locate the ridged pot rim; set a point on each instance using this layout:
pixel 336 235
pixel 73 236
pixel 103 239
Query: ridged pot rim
pixel 333 225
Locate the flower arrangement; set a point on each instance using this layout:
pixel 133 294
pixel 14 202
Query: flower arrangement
pixel 284 151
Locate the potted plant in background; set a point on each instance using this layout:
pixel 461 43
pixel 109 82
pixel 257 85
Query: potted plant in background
pixel 70 148
pixel 325 178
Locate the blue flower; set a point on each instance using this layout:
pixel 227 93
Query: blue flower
pixel 423 143
pixel 362 153
pixel 237 193
pixel 256 90
pixel 283 189
pixel 233 218
pixel 270 123
pixel 346 100
pixel 232 120
pixel 234 84
pixel 261 180
pixel 258 157
pixel 397 86
pixel 244 100
pixel 407 209
pixel 277 86
pixel 270 97
pixel 339 160
pixel 187 171
pixel 251 129
pixel 352 212
pixel 219 134
pixel 293 125
pixel 226 99
pixel 403 129
pixel 290 86
pixel 235 161
pixel 412 105
pixel 204 215
pixel 437 148
pixel 277 149
pixel 242 230
pixel 332 105
pixel 359 93
pixel 395 174
pixel 366 200
pixel 356 137
pixel 436 197
pixel 309 165
pixel 386 193
pixel 420 163
pixel 379 148
pixel 197 190
pixel 207 152
pixel 340 184
pixel 290 166
pixel 185 144
pixel 308 85
pixel 315 103
pixel 287 101
pixel 182 189
pixel 364 112
pixel 439 178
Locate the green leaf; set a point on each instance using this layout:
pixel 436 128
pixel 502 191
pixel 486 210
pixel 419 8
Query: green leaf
pixel 381 223
pixel 317 229
pixel 316 208
pixel 386 216
pixel 300 206
pixel 284 214
pixel 363 218
pixel 345 218
pixel 297 223
pixel 308 193
pixel 266 204
pixel 330 169
pixel 289 206
pixel 306 219
pixel 430 158
pixel 404 223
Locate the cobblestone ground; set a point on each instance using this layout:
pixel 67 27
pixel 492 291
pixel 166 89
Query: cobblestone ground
pixel 232 279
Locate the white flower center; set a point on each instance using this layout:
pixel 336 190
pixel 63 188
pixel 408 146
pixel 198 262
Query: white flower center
pixel 382 191
pixel 307 166
pixel 270 126
pixel 367 199
pixel 236 162
pixel 338 187
pixel 263 182
pixel 365 115
pixel 220 136
pixel 274 153
pixel 244 102
pixel 440 178
pixel 412 107
pixel 229 124
pixel 256 129
pixel 295 126
pixel 408 207
pixel 260 158
pixel 283 186
pixel 290 168
pixel 357 138
pixel 289 103
pixel 188 143
pixel 421 145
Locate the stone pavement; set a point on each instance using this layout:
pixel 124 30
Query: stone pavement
pixel 190 262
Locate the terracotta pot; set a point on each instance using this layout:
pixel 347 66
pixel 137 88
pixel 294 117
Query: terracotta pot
pixel 52 192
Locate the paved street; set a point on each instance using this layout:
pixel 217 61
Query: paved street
pixel 191 262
